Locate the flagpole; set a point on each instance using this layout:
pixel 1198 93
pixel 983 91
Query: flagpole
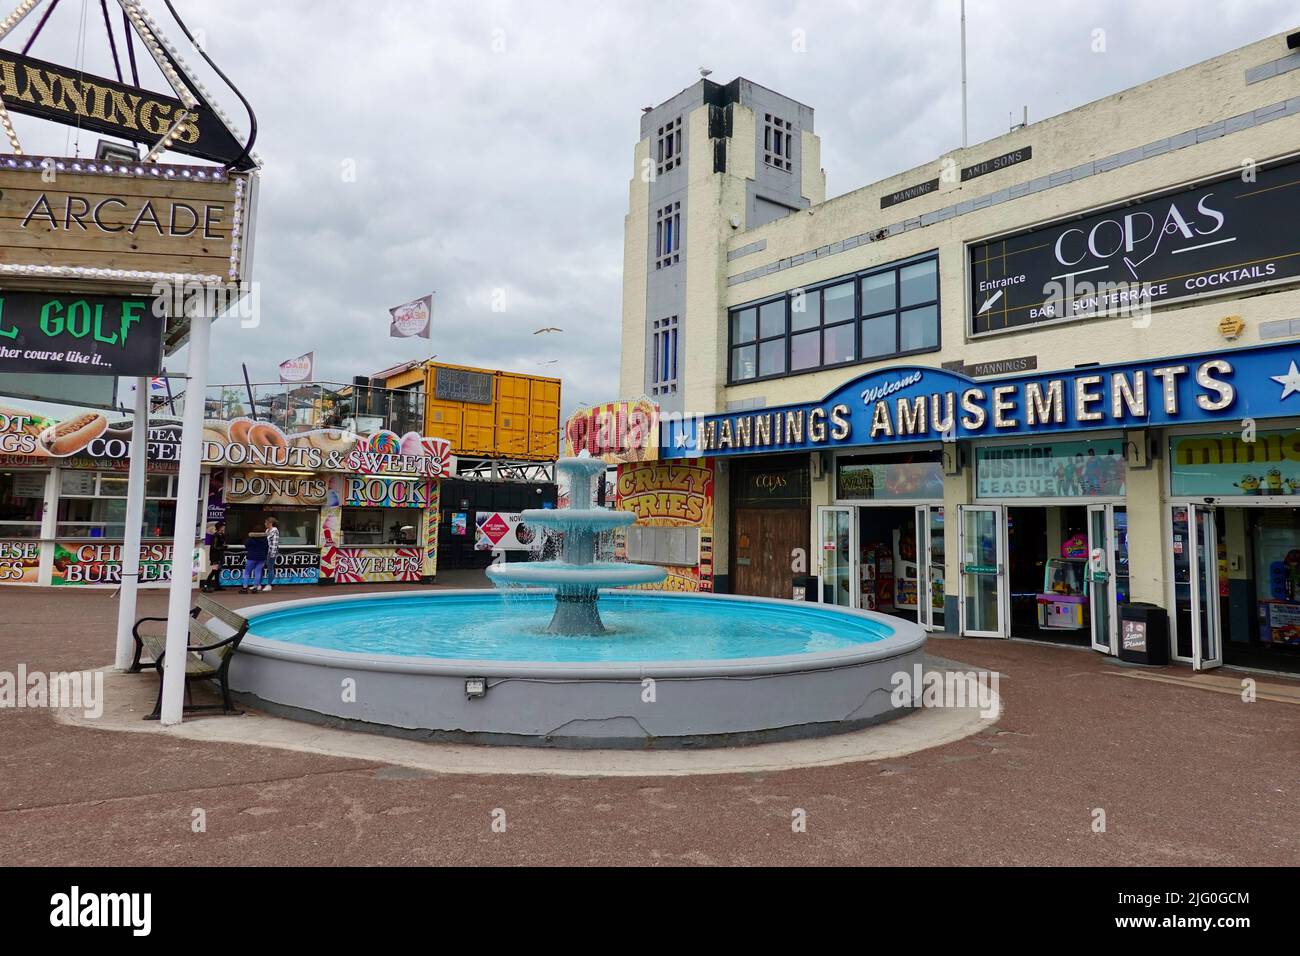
pixel 963 74
pixel 167 383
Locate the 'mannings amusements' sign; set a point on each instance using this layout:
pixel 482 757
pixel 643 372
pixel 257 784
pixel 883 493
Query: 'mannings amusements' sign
pixel 910 403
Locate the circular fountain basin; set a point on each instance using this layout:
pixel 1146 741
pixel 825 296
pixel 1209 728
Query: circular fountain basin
pixel 671 669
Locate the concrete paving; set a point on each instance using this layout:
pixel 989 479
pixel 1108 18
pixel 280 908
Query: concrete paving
pixel 1185 774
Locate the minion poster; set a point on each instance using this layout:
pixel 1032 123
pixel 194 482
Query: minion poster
pixel 1227 466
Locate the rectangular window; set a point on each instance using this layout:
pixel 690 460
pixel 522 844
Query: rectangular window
pixel 888 311
pixel 362 526
pixel 22 502
pixel 766 327
pixel 778 143
pixel 668 151
pixel 900 310
pixel 678 547
pixel 668 235
pixel 93 505
pixel 665 356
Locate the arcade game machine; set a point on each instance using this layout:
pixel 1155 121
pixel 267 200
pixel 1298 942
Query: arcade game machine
pixel 906 579
pixel 877 585
pixel 1062 606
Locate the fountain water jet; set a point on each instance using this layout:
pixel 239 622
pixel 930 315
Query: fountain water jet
pixel 577 577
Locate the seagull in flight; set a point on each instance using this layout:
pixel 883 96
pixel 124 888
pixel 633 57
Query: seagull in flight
pixel 549 328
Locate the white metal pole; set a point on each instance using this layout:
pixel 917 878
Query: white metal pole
pixel 187 516
pixel 134 519
pixel 963 74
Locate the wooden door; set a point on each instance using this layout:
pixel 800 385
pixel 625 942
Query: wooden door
pixel 763 545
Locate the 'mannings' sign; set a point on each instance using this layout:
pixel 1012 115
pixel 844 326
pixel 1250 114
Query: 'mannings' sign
pixel 76 98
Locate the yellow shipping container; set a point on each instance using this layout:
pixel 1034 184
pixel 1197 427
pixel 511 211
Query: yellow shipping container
pixel 486 413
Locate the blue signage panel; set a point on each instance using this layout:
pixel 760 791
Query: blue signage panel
pixel 912 403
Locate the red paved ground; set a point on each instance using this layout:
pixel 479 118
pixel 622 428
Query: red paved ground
pixel 1186 777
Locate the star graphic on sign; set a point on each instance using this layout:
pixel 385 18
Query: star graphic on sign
pixel 1290 382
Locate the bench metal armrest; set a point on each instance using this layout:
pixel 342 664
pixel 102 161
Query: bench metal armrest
pixel 212 647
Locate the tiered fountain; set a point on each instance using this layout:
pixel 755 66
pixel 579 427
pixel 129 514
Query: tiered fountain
pixel 482 665
pixel 577 577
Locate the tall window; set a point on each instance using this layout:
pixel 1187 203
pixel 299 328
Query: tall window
pixel 900 310
pixel 668 235
pixel 665 356
pixel 889 311
pixel 778 142
pixel 668 152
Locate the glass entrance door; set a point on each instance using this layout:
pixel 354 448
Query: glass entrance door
pixel 929 565
pixel 985 605
pixel 838 541
pixel 1207 644
pixel 1101 570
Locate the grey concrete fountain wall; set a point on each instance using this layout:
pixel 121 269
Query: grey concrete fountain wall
pixel 695 703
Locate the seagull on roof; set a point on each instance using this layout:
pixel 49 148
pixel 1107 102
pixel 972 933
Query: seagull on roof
pixel 549 328
pixel 647 109
pixel 705 71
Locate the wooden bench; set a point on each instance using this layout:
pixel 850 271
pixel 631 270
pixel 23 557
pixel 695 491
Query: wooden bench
pixel 202 638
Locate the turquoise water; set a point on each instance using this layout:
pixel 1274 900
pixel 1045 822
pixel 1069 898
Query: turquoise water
pixel 512 627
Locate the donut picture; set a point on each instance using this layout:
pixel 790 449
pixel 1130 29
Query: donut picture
pixel 216 431
pixel 266 435
pixel 237 430
pixel 328 440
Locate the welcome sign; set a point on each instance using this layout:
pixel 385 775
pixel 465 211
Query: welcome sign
pixel 64 334
pixel 910 403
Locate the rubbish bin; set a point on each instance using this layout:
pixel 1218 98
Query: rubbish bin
pixel 1143 634
pixel 805 587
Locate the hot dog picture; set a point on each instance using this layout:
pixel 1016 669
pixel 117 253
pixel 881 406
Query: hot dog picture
pixel 69 437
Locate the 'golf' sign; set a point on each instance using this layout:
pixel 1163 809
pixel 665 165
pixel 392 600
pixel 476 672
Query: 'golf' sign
pixel 71 334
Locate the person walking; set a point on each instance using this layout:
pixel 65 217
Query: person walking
pixel 216 556
pixel 254 559
pixel 272 552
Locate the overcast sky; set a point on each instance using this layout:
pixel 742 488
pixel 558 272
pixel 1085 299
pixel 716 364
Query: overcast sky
pixel 492 142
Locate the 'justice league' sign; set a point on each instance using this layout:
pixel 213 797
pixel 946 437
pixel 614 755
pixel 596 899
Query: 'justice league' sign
pixel 79 334
pixel 1231 234
pixel 911 403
